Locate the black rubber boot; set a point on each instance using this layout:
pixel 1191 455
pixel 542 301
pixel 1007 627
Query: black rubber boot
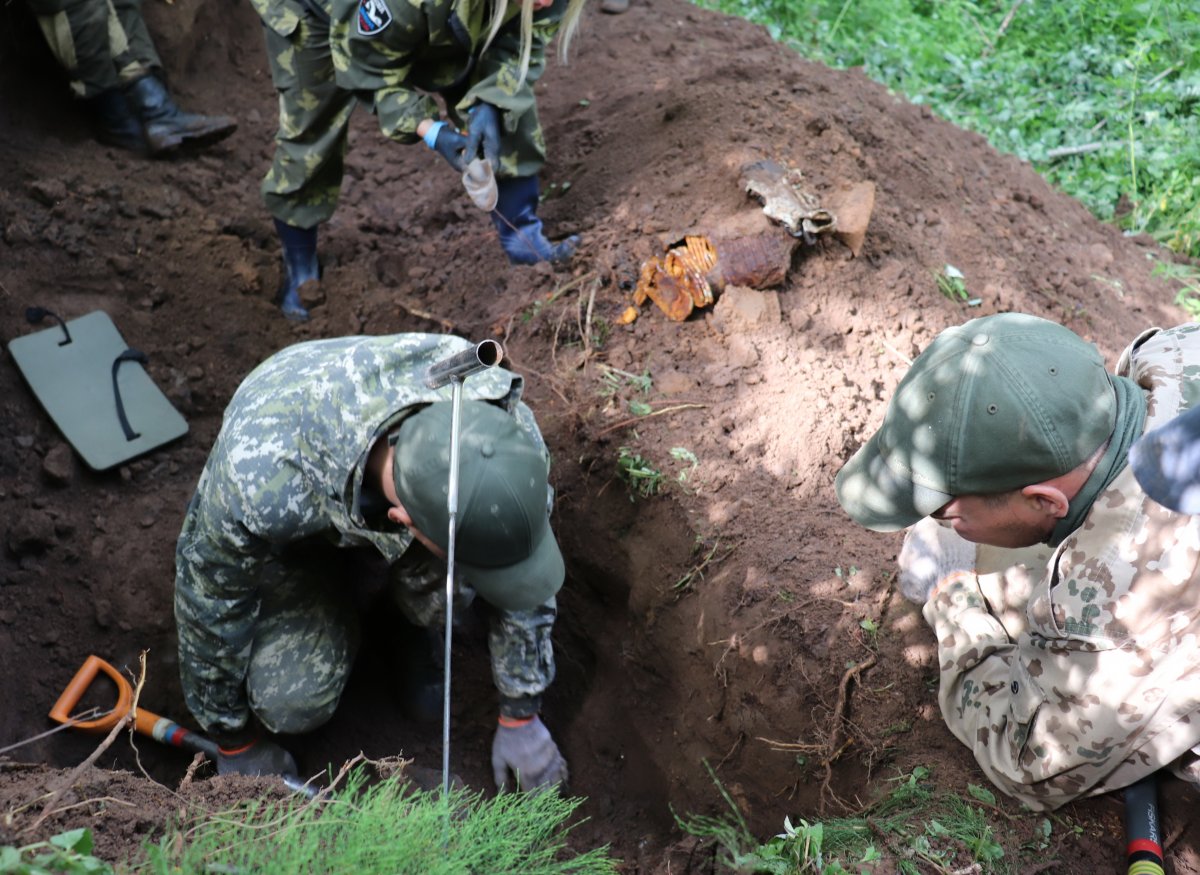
pixel 520 230
pixel 419 678
pixel 167 127
pixel 300 266
pixel 114 124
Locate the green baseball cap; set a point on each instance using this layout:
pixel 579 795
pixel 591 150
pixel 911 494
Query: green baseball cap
pixel 503 544
pixel 992 405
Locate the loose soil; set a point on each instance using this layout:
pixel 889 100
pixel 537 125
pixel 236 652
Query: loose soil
pixel 726 620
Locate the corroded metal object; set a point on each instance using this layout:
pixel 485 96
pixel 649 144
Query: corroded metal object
pixel 786 201
pixel 694 272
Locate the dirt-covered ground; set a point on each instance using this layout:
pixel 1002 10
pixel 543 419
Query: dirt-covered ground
pixel 727 620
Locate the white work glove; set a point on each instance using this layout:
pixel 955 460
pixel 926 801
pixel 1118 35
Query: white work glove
pixel 931 553
pixel 524 747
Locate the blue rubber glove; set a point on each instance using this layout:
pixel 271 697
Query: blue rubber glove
pixel 447 142
pixel 523 746
pixel 259 757
pixel 483 129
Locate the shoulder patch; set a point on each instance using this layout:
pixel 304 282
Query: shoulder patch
pixel 373 16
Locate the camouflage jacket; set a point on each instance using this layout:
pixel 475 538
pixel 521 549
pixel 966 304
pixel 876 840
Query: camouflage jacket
pixel 397 52
pixel 1083 676
pixel 288 465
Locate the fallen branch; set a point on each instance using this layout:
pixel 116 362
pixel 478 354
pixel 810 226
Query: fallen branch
pixel 80 718
pixel 126 720
pixel 1066 151
pixel 659 412
pixel 447 324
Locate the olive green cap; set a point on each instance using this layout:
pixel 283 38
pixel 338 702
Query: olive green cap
pixel 503 544
pixel 992 405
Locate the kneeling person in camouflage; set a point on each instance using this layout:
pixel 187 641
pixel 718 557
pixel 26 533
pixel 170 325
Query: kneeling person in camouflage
pixel 340 443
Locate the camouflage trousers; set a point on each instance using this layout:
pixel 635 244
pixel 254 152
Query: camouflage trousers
pixel 304 182
pixel 308 633
pixel 101 44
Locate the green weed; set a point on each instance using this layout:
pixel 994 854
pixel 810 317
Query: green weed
pixel 613 380
pixel 640 476
pixel 68 853
pixel 1187 279
pixel 912 829
pixel 687 457
pixel 387 827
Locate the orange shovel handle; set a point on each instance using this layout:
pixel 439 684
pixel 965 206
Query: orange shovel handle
pixel 144 721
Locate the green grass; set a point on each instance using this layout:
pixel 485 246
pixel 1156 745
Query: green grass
pixel 1102 98
pixel 386 827
pixel 913 829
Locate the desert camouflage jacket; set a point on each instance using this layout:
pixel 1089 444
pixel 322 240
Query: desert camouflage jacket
pixel 288 465
pixel 1083 676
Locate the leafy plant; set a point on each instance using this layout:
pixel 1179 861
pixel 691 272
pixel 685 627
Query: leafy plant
pixel 1188 279
pixel 950 283
pixel 642 478
pixel 911 829
pixel 687 457
pixel 613 380
pixel 68 853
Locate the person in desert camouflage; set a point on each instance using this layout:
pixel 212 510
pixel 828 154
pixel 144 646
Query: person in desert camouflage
pixel 482 57
pixel 340 444
pixel 1072 668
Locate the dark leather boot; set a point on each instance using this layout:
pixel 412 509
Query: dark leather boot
pixel 300 266
pixel 520 230
pixel 168 127
pixel 114 124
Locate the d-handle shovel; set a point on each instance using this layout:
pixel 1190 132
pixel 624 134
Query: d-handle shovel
pixel 158 728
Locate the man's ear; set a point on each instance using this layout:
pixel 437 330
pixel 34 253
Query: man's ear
pixel 1047 499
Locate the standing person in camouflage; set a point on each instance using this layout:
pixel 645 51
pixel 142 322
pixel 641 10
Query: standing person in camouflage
pixel 1079 674
pixel 115 70
pixel 338 443
pixel 482 57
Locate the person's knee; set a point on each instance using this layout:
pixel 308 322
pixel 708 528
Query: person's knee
pixel 299 667
pixel 291 708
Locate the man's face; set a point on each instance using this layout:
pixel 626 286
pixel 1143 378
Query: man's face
pixel 1011 520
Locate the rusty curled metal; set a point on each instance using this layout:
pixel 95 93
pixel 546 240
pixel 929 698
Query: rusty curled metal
pixel 695 271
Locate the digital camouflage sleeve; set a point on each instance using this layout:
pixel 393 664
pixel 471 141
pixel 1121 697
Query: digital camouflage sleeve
pixel 288 465
pixel 1084 676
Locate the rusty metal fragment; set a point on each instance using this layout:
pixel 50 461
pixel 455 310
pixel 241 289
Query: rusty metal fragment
pixel 692 273
pixel 786 201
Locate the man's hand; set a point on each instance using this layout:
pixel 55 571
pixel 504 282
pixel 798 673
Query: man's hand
pixel 260 757
pixel 931 553
pixel 524 747
pixel 483 129
pixel 447 142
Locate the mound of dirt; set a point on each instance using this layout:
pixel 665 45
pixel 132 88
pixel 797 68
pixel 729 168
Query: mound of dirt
pixel 736 618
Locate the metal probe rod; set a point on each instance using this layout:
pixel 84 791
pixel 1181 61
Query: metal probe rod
pixel 454 370
pixel 461 365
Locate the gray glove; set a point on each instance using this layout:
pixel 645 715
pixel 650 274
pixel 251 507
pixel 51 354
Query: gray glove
pixel 259 757
pixel 931 553
pixel 527 750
